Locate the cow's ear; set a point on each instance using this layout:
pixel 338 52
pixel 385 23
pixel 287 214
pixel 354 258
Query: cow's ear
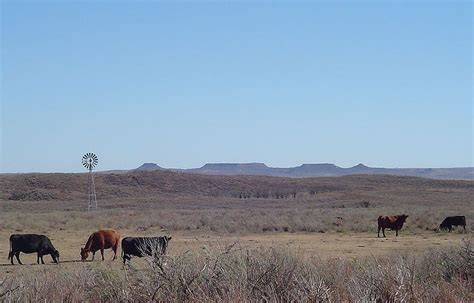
pixel 169 238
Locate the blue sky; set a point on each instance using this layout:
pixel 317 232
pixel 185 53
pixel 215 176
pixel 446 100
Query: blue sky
pixel 182 84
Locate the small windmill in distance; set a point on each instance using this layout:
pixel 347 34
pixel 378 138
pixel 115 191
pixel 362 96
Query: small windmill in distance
pixel 89 161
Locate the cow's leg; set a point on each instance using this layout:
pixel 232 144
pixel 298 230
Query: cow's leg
pixel 125 258
pixel 378 232
pixel 115 251
pixel 38 258
pixel 464 226
pixel 17 255
pixel 450 228
pixel 102 253
pixel 396 232
pixel 93 255
pixel 42 261
pixel 10 256
pixel 383 231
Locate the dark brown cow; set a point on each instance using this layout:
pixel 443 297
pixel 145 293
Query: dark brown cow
pixel 100 240
pixel 391 222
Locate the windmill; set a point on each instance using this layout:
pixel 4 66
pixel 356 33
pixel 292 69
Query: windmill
pixel 89 161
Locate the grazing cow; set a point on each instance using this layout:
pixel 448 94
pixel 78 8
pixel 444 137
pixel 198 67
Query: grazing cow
pixel 100 240
pixel 391 222
pixel 143 246
pixel 449 222
pixel 31 243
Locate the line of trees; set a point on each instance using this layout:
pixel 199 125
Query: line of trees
pixel 280 193
pixel 266 194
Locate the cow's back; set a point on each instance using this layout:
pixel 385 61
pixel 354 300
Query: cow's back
pixel 130 245
pixel 134 246
pixel 386 221
pixel 141 246
pixel 28 243
pixel 392 222
pixel 106 238
pixel 454 220
pixel 110 233
pixel 461 220
pixel 111 237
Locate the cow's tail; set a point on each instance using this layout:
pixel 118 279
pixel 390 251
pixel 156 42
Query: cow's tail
pixel 10 252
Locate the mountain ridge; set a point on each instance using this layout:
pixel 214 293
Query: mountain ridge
pixel 317 170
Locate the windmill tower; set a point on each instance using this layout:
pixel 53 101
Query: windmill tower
pixel 89 161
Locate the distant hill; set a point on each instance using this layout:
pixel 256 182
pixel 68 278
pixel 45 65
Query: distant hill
pixel 151 184
pixel 149 166
pixel 232 169
pixel 319 170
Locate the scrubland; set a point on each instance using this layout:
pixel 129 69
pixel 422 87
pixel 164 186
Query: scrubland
pixel 267 274
pixel 243 238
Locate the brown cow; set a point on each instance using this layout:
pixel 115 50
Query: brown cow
pixel 391 222
pixel 100 240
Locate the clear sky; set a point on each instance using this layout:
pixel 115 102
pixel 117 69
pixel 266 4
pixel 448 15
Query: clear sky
pixel 284 83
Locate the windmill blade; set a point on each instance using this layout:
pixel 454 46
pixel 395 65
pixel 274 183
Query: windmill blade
pixel 90 160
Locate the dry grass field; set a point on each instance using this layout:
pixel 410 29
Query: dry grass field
pixel 309 226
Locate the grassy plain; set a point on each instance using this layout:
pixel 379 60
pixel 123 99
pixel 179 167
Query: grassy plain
pixel 313 218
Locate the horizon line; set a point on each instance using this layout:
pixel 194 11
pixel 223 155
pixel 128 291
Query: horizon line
pixel 238 163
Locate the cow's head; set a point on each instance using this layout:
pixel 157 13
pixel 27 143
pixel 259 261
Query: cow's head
pixel 403 218
pixel 55 256
pixel 84 254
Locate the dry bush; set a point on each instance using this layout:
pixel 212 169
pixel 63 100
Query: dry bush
pixel 231 274
pixel 49 286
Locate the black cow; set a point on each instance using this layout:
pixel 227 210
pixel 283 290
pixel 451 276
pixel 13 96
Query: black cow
pixel 449 222
pixel 31 243
pixel 143 246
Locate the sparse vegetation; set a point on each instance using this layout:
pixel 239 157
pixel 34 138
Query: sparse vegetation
pixel 219 207
pixel 231 274
pixel 174 201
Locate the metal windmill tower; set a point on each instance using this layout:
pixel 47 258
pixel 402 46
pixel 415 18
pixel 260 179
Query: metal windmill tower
pixel 89 161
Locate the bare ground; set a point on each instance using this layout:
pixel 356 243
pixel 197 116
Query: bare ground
pixel 309 245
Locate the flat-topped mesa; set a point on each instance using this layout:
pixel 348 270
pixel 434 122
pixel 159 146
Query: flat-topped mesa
pixel 319 167
pixel 235 168
pixel 317 170
pixel 219 166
